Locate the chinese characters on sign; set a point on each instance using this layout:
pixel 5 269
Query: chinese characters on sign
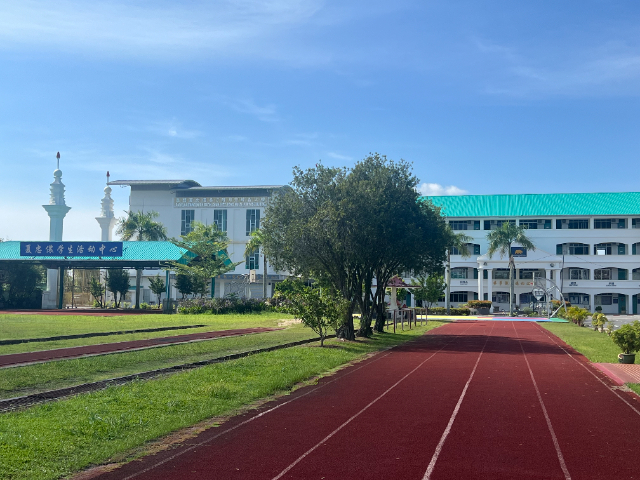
pixel 217 202
pixel 70 249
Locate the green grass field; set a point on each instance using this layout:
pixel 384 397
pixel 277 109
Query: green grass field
pixel 30 379
pixel 597 347
pixel 56 439
pixel 39 326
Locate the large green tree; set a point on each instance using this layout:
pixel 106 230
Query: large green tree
pixel 141 226
pixel 23 284
pixel 206 255
pixel 255 244
pixel 349 227
pixel 501 240
pixel 117 281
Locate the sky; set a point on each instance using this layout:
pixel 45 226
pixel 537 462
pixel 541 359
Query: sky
pixel 483 97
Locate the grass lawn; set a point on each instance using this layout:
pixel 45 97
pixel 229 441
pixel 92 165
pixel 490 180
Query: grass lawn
pixel 19 381
pixel 37 326
pixel 56 439
pixel 597 347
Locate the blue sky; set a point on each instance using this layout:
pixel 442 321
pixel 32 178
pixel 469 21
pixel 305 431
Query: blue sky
pixel 483 97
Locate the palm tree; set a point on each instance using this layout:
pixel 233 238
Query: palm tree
pixel 144 227
pixel 500 241
pixel 459 241
pixel 256 243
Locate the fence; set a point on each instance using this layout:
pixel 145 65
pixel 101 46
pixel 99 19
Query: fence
pixel 408 315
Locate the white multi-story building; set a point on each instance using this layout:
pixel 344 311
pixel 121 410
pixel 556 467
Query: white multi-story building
pixel 235 210
pixel 587 243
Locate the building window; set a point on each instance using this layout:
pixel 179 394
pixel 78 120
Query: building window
pixel 536 224
pixel 500 297
pixel 635 274
pixel 253 220
pixel 476 249
pixel 572 249
pixel 578 274
pixel 527 273
pixel 578 299
pixel 604 299
pixel 602 223
pixel 496 224
pixel 602 274
pixel 186 219
pixel 602 249
pixel 526 298
pixel 253 261
pixel 501 273
pixel 635 249
pixel 220 219
pixel 459 272
pixel 635 223
pixel 454 251
pixel 459 225
pixel 458 297
pixel 573 223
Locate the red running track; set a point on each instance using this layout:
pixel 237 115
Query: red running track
pixel 116 347
pixel 481 400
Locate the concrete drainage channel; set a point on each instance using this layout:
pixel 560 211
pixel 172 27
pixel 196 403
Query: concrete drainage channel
pixel 29 400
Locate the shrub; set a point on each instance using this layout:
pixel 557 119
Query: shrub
pixel 443 311
pixel 627 337
pixel 219 306
pixel 577 315
pixel 598 320
pixel 145 306
pixel 479 303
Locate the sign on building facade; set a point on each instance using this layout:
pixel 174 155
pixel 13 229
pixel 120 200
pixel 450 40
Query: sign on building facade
pixel 71 249
pixel 219 202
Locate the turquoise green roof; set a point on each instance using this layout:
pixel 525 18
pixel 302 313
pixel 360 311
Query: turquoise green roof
pixel 539 205
pixel 131 251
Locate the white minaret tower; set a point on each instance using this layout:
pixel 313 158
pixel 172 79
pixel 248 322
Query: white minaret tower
pixel 57 209
pixel 107 219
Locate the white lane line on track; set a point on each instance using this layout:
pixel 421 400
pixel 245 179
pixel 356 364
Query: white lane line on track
pixel 224 432
pixel 305 454
pixel 445 434
pixel 556 444
pixel 583 365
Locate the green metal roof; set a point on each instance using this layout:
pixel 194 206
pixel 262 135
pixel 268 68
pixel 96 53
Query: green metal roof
pixel 131 252
pixel 538 205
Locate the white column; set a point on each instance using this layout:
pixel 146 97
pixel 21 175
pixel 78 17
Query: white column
pixel 480 283
pixel 489 283
pixel 592 302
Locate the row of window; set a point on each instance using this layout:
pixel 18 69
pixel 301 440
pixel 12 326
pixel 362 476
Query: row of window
pixel 498 273
pixel 220 220
pixel 462 273
pixel 561 223
pixel 528 298
pixel 598 249
pixel 603 274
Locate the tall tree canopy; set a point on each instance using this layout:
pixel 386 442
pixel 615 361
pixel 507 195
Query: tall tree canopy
pixel 349 227
pixel 501 240
pixel 141 226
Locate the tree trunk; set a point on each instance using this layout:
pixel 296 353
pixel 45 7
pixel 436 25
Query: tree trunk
pixel 264 280
pixel 512 272
pixel 447 298
pixel 380 312
pixel 346 330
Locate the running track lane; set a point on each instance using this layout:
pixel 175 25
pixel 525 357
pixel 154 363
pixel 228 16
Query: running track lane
pixel 482 400
pixel 116 347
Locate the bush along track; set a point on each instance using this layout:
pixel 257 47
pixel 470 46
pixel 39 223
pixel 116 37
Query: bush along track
pixel 56 439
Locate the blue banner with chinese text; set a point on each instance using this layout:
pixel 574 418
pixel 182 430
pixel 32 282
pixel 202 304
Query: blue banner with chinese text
pixel 70 249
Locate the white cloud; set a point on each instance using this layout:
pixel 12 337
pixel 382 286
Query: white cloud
pixel 173 129
pixel 337 156
pixel 436 189
pixel 266 113
pixel 224 27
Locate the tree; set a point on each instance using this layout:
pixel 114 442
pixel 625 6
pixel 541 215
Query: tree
pixel 184 284
pixel 206 255
pixel 97 291
pixel 143 227
pixel 320 309
pixel 501 240
pixel 255 243
pixel 118 282
pixel 430 288
pixel 459 241
pixel 347 227
pixel 23 284
pixel 157 287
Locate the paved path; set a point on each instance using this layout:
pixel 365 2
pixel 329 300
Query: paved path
pixel 101 349
pixel 470 400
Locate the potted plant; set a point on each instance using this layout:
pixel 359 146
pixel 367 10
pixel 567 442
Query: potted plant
pixel 627 338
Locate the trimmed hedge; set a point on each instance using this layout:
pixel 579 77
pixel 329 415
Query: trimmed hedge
pixel 219 306
pixel 454 311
